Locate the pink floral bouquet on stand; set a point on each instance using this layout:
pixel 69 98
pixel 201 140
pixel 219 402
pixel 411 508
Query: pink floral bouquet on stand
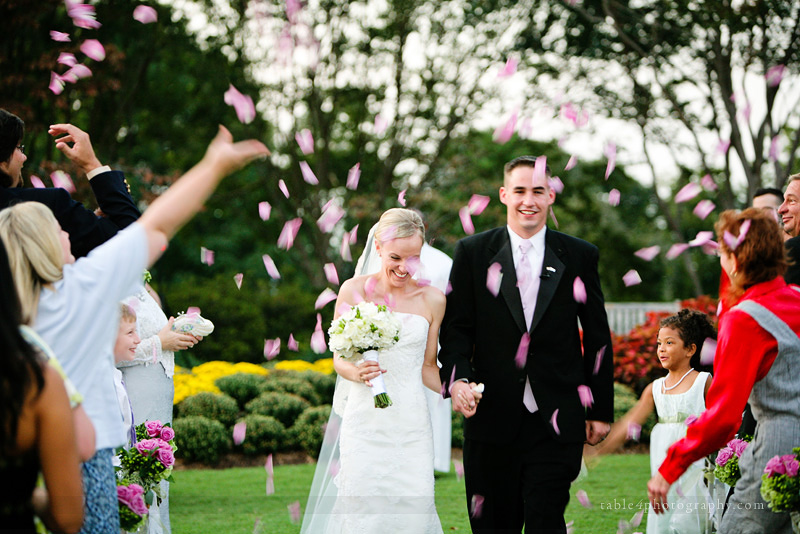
pixel 780 485
pixel 727 462
pixel 132 509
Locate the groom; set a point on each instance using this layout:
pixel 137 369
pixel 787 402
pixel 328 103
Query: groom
pixel 523 444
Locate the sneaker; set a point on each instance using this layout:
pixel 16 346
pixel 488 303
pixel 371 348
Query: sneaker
pixel 192 324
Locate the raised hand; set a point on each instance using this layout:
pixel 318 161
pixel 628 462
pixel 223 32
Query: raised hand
pixel 76 145
pixel 227 156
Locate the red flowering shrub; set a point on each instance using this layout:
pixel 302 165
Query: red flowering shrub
pixel 635 361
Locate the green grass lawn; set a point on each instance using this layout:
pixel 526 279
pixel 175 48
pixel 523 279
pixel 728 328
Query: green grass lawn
pixel 234 501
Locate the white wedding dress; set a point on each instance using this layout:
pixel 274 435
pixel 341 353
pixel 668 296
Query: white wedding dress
pixel 382 481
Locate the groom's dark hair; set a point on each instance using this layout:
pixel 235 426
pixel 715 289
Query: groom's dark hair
pixel 523 161
pixel 11 131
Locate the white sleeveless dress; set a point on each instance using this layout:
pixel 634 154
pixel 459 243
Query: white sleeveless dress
pixel 385 479
pixel 688 497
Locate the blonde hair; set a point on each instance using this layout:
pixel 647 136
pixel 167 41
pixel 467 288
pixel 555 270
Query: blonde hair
pixel 127 313
pixel 34 251
pixel 397 223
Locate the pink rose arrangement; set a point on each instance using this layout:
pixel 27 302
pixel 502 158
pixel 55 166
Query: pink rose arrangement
pixel 727 468
pixel 780 483
pixel 132 509
pixel 151 459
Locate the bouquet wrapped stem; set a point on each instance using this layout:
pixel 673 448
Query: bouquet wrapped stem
pixel 382 399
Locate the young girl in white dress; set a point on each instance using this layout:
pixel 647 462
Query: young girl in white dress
pixel 676 398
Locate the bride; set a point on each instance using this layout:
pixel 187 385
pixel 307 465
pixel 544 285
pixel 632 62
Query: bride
pixel 375 470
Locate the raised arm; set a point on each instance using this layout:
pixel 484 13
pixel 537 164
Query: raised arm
pixel 620 430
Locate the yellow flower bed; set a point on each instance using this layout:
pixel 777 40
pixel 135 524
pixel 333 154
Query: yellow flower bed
pixel 201 378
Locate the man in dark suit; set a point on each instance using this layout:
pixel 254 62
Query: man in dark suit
pixel 789 212
pixel 86 229
pixel 523 442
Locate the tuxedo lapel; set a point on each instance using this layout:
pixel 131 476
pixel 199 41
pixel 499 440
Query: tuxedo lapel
pixel 552 270
pixel 508 283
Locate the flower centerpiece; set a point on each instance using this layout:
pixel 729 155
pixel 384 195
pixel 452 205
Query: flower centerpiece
pixel 366 329
pixel 132 509
pixel 150 459
pixel 727 468
pixel 780 485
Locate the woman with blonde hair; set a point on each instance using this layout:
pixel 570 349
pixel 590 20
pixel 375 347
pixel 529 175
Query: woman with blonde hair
pixel 74 305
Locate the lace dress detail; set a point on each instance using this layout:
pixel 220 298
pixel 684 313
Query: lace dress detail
pixel 385 480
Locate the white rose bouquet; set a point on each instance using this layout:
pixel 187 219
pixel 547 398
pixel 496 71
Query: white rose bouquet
pixel 366 329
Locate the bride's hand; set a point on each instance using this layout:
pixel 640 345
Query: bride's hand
pixel 367 370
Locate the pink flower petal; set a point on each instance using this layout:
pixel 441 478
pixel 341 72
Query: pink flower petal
pixel 556 184
pixel 708 183
pixel 330 273
pixel 504 131
pixel 294 511
pixel 585 394
pixel 239 430
pixel 270 474
pixel 242 104
pixel 318 344
pixel 192 311
pixel 554 422
pixel 56 84
pixel 288 233
pixel 526 129
pixel 598 359
pixel 269 265
pixel 390 301
pixel 308 174
pixel 264 210
pixel 631 278
pixel 553 216
pixel 579 290
pixel 775 74
pixel 93 49
pixel 63 180
pixel 83 15
pixel 325 297
pixel 583 498
pixel 60 37
pixel 634 431
pixel 708 351
pixel 238 277
pixel 704 209
pixel 723 146
pixel 701 239
pixel 37 182
pixel 65 58
pixel 477 203
pixel 327 221
pixel 676 250
pixel 494 276
pixel 466 220
pixel 636 520
pixel 353 176
pixel 648 253
pixel 573 160
pixel 369 286
pixel 509 68
pixel 145 14
pixel 292 343
pixel 282 187
pixel 774 148
pixel 344 250
pixel 206 256
pixel 614 197
pixel 354 235
pixel 272 348
pixel 401 198
pixel 521 357
pixel 540 169
pixel 305 141
pixel 476 506
pixel 687 192
pixel 732 241
pixel 611 154
pixel 459 468
pixel 380 124
pixel 76 73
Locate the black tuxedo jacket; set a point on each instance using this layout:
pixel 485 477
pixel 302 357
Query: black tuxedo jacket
pixel 481 333
pixel 86 230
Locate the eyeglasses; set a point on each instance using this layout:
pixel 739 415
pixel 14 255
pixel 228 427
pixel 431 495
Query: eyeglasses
pixel 21 148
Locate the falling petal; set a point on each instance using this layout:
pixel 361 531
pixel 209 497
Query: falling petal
pixel 65 58
pixel 504 131
pixel 711 248
pixel 570 526
pixel 282 187
pixel 390 301
pixel 192 311
pixel 509 69
pixel 413 265
pixel 579 290
pixel 648 253
pixel 288 233
pixel 270 475
pixel 723 146
pixel 93 49
pixel 325 297
pixel 369 286
pixel 708 183
pixel 623 527
pixel 37 182
pixel 206 256
pixel 264 210
pixel 611 154
pixel 775 74
pixel 708 351
pixel 308 174
pixel 476 506
pixel 466 220
pixel 62 180
pixel 521 357
pixel 598 359
pixel 449 288
pixel 704 208
pixel 318 338
pixel 76 73
pixel 145 14
pixel 238 277
pixel 692 419
pixel 631 278
pixel 56 84
pixel 732 241
pixel 554 422
pixel 401 198
pixel 272 270
pixel 556 184
pixel 636 520
pixel 553 216
pixel 292 343
pixel 634 431
pixel 701 239
pixel 239 430
pixel 477 203
pixel 774 148
pixel 613 197
pixel 242 104
pixel 354 235
pixel 585 394
pixel 271 348
pixel 540 169
pixel 573 160
pixel 687 192
pixel 344 250
pixel 526 130
pixel 330 273
pixel 60 37
pixel 380 124
pixel 676 250
pixel 494 276
pixel 583 498
pixel 305 141
pixel 294 511
pixel 748 109
pixel 327 221
pixel 83 15
pixel 353 176
pixel 459 469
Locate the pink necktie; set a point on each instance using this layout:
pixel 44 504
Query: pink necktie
pixel 527 292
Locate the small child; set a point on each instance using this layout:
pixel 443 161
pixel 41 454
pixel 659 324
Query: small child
pixel 124 350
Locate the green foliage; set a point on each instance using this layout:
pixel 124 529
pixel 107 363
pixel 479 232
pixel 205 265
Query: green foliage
pixel 200 439
pixel 457 430
pixel 218 407
pixel 242 387
pixel 324 384
pixel 284 407
pixel 309 429
pixel 264 435
pixel 291 384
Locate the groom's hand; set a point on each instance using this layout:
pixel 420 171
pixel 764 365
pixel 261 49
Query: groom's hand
pixel 465 400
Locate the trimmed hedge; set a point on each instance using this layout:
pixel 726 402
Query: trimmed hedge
pixel 309 429
pixel 200 439
pixel 285 407
pixel 264 435
pixel 216 406
pixel 324 384
pixel 242 387
pixel 290 383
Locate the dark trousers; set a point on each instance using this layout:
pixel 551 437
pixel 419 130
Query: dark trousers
pixel 525 481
